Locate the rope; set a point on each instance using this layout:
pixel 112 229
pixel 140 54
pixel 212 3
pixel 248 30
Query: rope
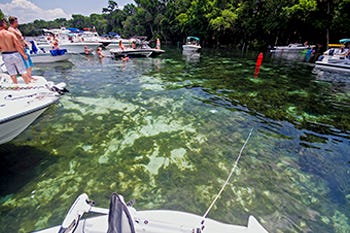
pixel 38 94
pixel 13 87
pixel 228 178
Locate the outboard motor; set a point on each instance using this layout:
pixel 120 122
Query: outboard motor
pixel 60 88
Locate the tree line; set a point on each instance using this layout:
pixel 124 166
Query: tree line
pixel 253 23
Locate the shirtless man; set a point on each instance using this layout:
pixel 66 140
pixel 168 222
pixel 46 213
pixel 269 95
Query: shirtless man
pixel 14 29
pixel 11 53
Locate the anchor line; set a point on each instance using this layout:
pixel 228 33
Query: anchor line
pixel 228 178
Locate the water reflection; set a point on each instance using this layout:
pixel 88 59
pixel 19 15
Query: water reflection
pixel 332 76
pixel 191 56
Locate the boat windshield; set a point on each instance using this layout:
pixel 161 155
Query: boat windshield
pixel 343 41
pixel 192 40
pixel 119 217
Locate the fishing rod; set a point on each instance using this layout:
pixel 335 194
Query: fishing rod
pixel 227 180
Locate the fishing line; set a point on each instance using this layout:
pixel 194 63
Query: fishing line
pixel 228 178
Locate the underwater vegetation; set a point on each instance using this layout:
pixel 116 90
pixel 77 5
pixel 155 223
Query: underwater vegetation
pixel 166 133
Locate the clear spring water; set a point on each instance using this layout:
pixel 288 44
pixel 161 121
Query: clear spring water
pixel 166 132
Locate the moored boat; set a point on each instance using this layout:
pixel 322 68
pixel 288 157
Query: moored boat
pixel 334 63
pixel 294 51
pixel 21 104
pixel 121 217
pixel 140 52
pixel 192 44
pixel 336 58
pixel 138 47
pixel 41 56
pixel 73 42
pixel 290 48
pixel 49 58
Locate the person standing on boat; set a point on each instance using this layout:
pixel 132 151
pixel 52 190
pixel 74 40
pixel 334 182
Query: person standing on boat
pixel 158 43
pixel 121 46
pixel 14 29
pixel 11 53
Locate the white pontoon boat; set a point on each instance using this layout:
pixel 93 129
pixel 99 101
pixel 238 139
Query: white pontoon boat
pixel 21 104
pixel 291 48
pixel 295 52
pixel 123 218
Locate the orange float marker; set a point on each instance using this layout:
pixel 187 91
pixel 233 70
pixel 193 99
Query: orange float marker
pixel 258 64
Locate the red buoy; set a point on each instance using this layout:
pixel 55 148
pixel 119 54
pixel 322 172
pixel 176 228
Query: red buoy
pixel 258 64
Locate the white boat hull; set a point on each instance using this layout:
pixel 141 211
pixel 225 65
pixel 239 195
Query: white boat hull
pixel 334 63
pixel 333 66
pixel 21 104
pixel 296 52
pixel 191 48
pixel 75 47
pixel 165 221
pixel 288 50
pixel 291 48
pixel 122 218
pixel 13 127
pixel 48 58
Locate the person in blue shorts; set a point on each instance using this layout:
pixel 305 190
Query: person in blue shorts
pixel 14 29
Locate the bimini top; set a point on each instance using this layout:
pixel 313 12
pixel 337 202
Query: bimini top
pixel 73 29
pixel 343 41
pixel 193 38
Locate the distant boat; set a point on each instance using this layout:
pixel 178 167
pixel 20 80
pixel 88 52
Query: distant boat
pixel 123 218
pixel 50 57
pixel 335 63
pixel 141 49
pixel 294 51
pixel 192 44
pixel 42 56
pixel 21 104
pixel 73 42
pixel 336 58
pixel 291 48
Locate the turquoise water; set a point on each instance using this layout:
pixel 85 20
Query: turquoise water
pixel 166 132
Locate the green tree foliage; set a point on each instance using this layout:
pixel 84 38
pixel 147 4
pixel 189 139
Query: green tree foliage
pixel 1 15
pixel 254 23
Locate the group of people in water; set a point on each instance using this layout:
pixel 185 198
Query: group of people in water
pixel 13 48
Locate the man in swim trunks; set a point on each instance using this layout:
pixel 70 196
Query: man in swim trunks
pixel 14 29
pixel 11 53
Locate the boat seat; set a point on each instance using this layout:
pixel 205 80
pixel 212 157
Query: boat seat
pixel 58 52
pixel 119 217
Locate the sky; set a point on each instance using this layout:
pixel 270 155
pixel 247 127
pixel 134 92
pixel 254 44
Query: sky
pixel 29 10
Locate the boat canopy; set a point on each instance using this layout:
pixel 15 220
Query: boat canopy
pixel 73 30
pixel 193 38
pixel 343 41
